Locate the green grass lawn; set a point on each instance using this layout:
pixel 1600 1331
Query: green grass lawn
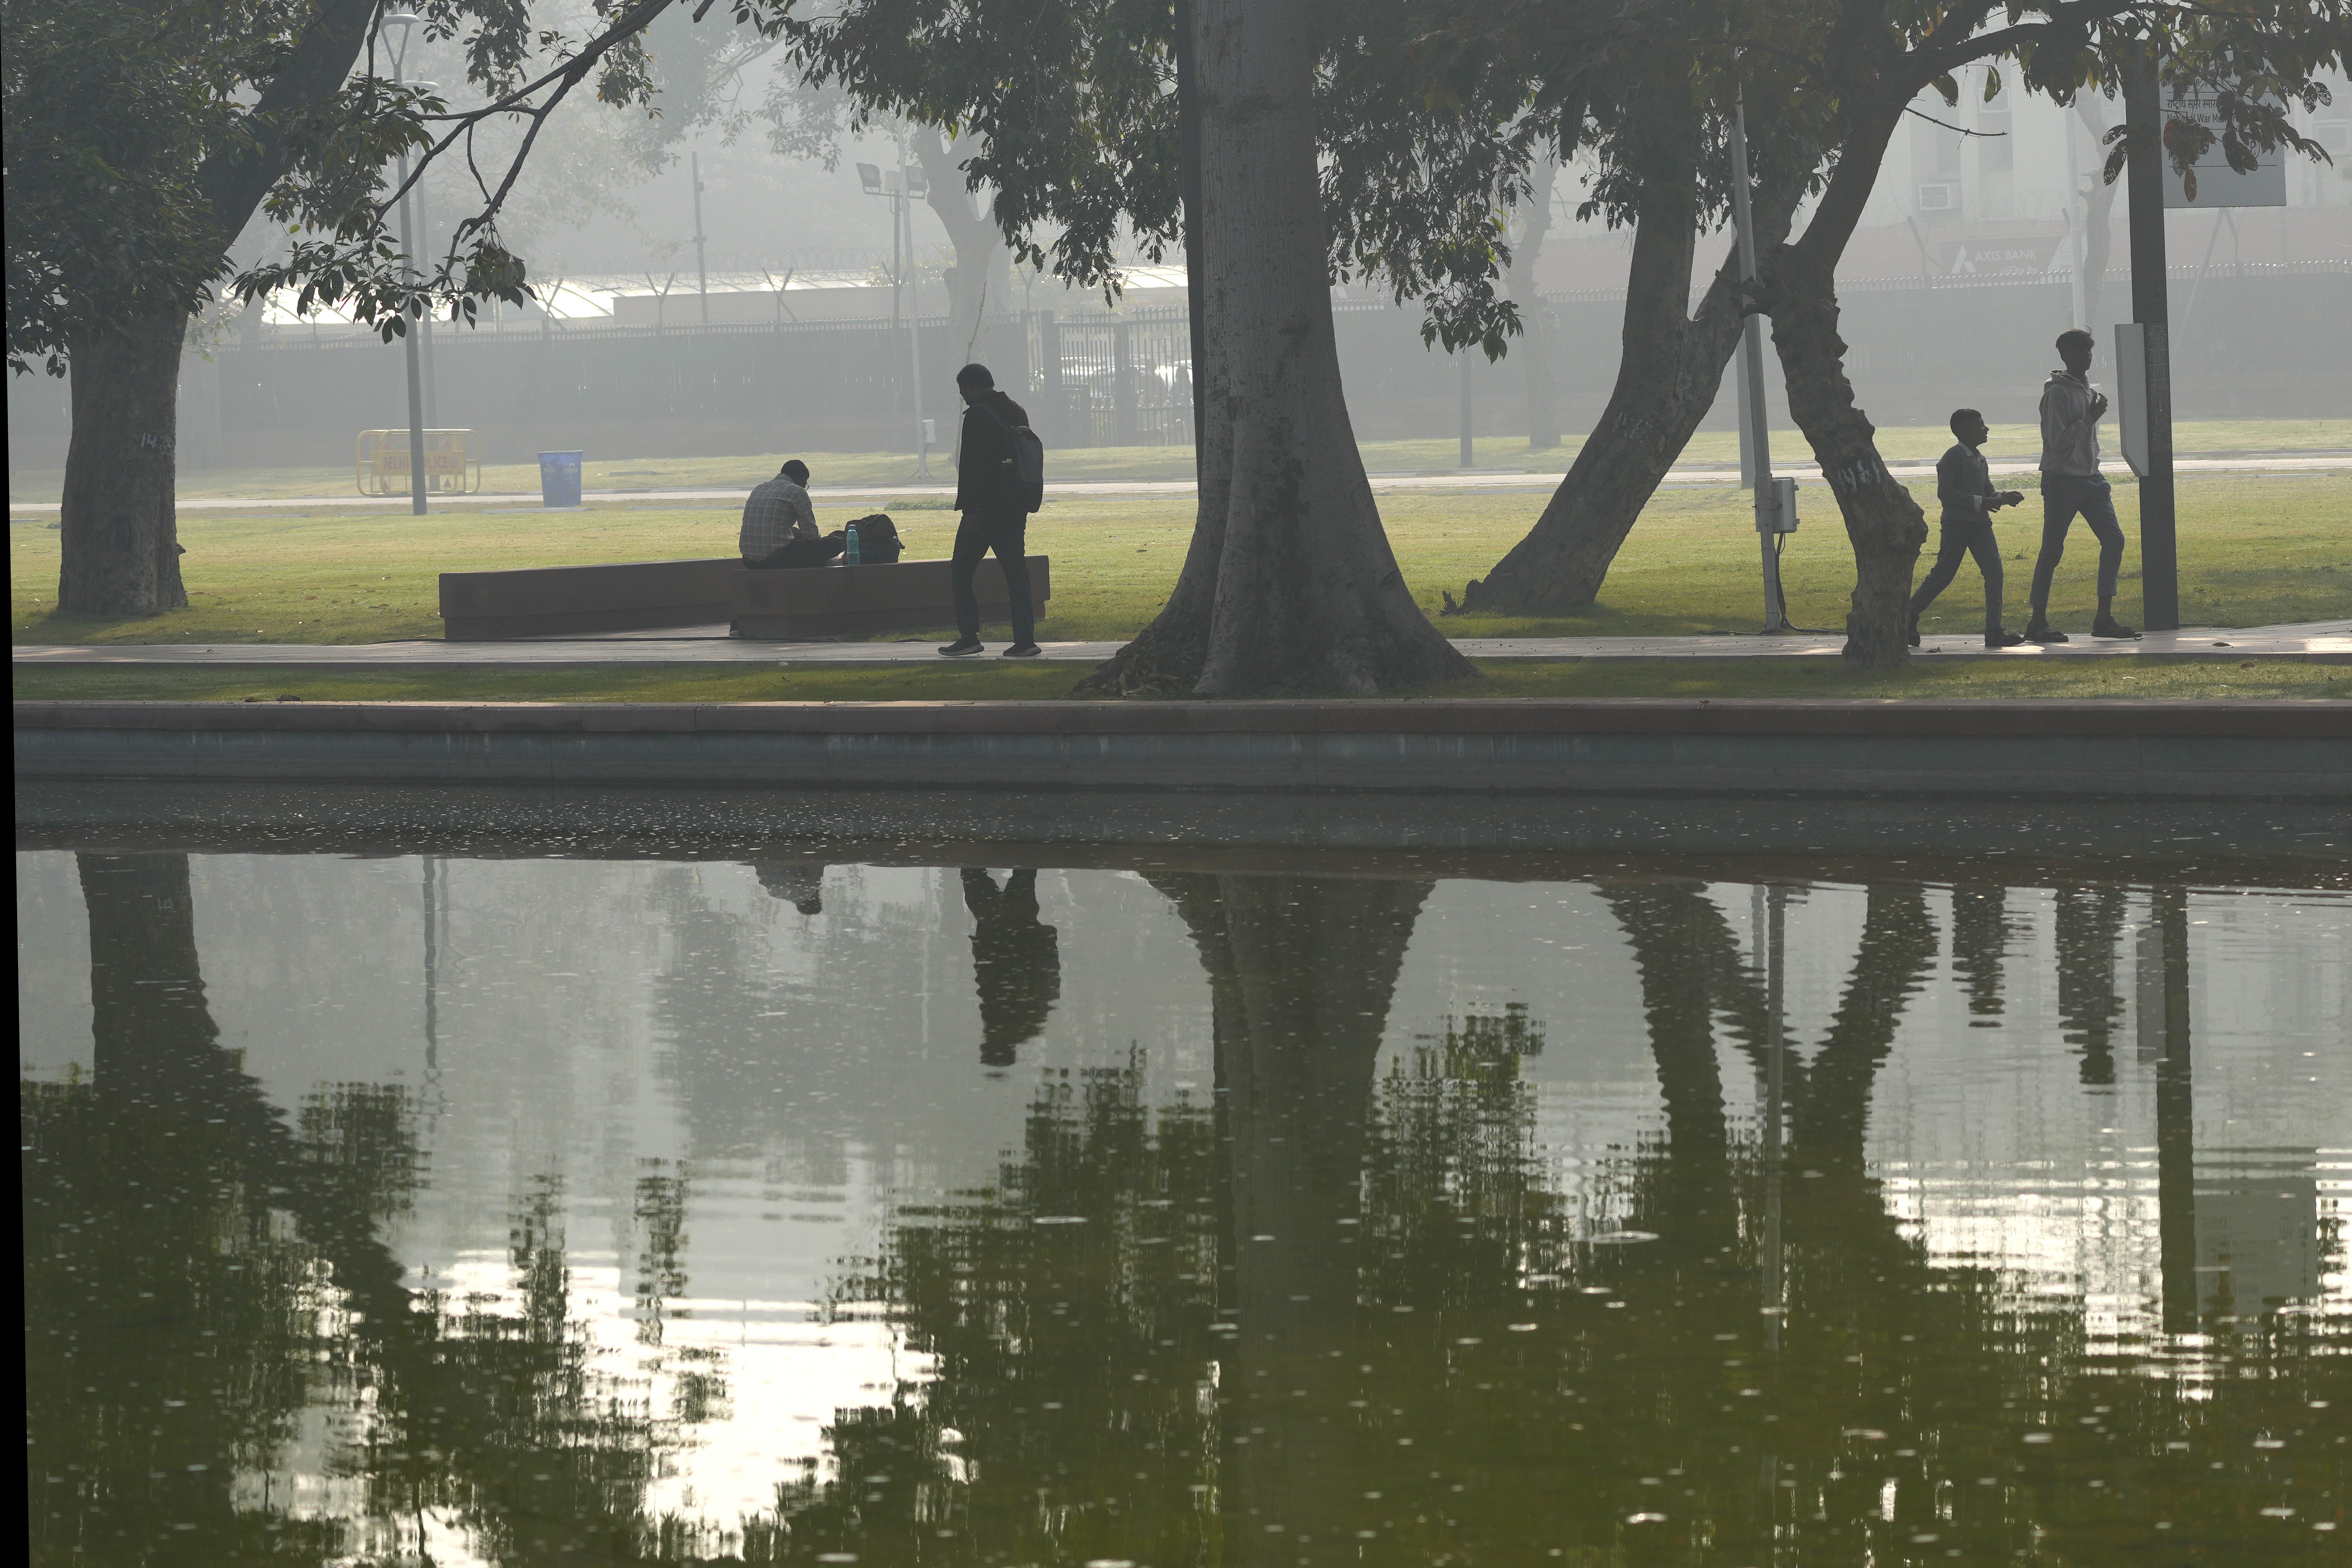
pixel 2254 550
pixel 1898 442
pixel 997 680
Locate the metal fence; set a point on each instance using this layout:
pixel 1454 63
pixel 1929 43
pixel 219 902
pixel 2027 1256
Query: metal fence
pixel 1105 379
pixel 2256 342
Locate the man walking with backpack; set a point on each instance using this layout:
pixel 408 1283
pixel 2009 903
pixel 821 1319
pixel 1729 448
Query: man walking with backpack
pixel 995 497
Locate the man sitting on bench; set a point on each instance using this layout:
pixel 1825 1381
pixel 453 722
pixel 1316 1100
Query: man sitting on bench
pixel 779 525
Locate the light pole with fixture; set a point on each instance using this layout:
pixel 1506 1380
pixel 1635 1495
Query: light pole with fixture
pixel 1775 498
pixel 410 339
pixel 701 263
pixel 900 187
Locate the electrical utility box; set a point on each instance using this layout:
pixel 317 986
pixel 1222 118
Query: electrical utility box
pixel 1778 514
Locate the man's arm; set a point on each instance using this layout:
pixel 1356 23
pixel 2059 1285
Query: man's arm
pixel 804 514
pixel 2063 426
pixel 969 456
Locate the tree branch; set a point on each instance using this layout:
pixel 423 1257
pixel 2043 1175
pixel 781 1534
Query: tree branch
pixel 233 185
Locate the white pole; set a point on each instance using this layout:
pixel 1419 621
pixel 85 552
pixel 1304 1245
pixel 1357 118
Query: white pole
pixel 914 313
pixel 2078 218
pixel 1756 457
pixel 701 263
pixel 415 333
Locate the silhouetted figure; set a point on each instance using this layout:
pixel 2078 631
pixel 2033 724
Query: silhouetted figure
pixel 1964 484
pixel 2090 924
pixel 801 886
pixel 2072 486
pixel 1980 931
pixel 995 514
pixel 1017 959
pixel 779 525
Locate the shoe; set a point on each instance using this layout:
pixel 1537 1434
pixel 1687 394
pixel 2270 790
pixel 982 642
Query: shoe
pixel 1021 650
pixel 2002 639
pixel 2040 633
pixel 2109 626
pixel 1915 632
pixel 964 648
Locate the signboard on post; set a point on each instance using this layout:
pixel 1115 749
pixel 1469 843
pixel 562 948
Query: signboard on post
pixel 2217 184
pixel 2131 391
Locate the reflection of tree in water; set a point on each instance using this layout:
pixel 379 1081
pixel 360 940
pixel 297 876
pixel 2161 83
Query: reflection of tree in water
pixel 1067 1311
pixel 199 1274
pixel 1428 1360
pixel 1453 1200
pixel 1106 1333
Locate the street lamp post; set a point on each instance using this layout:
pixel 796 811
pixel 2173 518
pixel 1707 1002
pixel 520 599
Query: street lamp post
pixel 410 340
pixel 701 262
pixel 1756 448
pixel 900 189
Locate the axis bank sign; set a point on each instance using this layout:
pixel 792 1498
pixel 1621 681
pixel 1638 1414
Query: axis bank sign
pixel 1983 255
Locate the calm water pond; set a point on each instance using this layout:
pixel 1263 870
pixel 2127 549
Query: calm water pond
pixel 400 1209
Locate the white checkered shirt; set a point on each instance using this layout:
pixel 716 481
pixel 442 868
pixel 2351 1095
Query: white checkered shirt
pixel 777 513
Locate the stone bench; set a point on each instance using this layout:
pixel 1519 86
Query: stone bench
pixel 832 601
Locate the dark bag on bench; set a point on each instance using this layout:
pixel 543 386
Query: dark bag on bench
pixel 878 544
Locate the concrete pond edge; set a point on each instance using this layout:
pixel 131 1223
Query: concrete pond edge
pixel 2124 748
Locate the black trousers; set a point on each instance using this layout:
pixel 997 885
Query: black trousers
pixel 1964 537
pixel 976 535
pixel 800 552
pixel 2064 496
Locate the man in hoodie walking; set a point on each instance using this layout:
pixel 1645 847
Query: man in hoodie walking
pixel 2072 483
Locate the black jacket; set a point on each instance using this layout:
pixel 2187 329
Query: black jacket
pixel 985 477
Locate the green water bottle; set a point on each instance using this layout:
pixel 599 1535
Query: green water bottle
pixel 849 547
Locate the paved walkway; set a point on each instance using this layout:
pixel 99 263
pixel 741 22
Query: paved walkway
pixel 2327 642
pixel 1806 474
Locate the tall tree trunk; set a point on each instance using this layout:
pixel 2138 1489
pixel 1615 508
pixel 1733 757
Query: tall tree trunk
pixel 1882 522
pixel 121 547
pixel 118 527
pixel 1290 581
pixel 980 281
pixel 1537 348
pixel 1668 378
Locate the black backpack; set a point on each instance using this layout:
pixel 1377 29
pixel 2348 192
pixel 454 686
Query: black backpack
pixel 877 539
pixel 1028 460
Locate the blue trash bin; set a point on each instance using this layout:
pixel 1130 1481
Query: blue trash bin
pixel 559 478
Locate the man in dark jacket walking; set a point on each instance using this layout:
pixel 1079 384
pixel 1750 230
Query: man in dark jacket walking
pixel 1964 484
pixel 988 494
